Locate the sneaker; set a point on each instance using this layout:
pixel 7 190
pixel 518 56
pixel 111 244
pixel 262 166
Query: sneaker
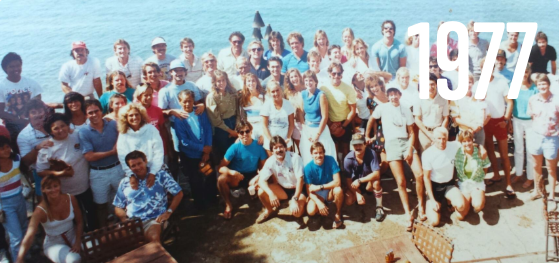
pixel 380 215
pixel 235 193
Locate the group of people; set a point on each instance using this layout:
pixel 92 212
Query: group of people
pixel 311 128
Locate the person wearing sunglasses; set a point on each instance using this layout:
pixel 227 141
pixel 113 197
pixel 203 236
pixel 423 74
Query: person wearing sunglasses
pixel 258 66
pixel 239 166
pixel 388 53
pixel 227 57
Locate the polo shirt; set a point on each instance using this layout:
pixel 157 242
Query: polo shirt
pixel 226 61
pixel 321 174
pixel 432 111
pixel 262 72
pixel 93 141
pixel 389 56
pixel 291 61
pixel 353 170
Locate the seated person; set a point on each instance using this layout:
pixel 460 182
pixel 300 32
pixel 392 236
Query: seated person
pixel 322 176
pixel 239 165
pixel 151 205
pixel 285 169
pixel 362 170
pixel 438 170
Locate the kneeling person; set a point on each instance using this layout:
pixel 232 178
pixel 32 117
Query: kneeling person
pixel 151 205
pixel 287 171
pixel 362 172
pixel 322 176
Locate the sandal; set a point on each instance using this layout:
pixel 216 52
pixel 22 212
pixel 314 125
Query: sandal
pixel 510 194
pixel 536 196
pixel 492 182
pixel 337 224
pixel 380 215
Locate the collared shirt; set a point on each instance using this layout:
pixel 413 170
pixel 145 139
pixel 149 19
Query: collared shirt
pixel 93 141
pixel 226 61
pixel 146 203
pixel 353 170
pixel 432 111
pixel 476 53
pixel 462 161
pixel 339 99
pixel 168 95
pixel 80 77
pixel 471 111
pixel 389 56
pixel 287 172
pixel 291 61
pixel 545 115
pixel 220 107
pixel 262 71
pixel 195 71
pixel 132 70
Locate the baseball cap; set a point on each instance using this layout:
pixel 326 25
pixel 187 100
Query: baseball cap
pixel 357 138
pixel 78 44
pixel 176 64
pixel 158 40
pixel 501 53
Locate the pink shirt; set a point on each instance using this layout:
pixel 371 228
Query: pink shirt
pixel 155 96
pixel 545 114
pixel 156 119
pixel 452 44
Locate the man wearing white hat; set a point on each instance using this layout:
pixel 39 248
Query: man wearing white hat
pixel 163 60
pixel 82 74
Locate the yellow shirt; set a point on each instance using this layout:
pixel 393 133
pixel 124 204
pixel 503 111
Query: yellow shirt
pixel 339 99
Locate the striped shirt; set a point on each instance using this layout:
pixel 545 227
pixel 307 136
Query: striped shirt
pixel 10 182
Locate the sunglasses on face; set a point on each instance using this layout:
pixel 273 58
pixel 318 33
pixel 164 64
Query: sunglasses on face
pixel 389 28
pixel 433 66
pixel 256 50
pixel 336 73
pixel 244 132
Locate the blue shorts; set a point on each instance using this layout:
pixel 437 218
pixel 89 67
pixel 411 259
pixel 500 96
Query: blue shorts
pixel 323 193
pixel 538 144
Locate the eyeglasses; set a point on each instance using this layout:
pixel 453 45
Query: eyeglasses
pixel 336 73
pixel 244 132
pixel 256 50
pixel 388 28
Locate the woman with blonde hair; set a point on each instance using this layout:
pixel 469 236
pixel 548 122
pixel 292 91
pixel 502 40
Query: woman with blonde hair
pixel 277 116
pixel 321 45
pixel 292 88
pixel 251 100
pixel 144 96
pixel 360 56
pixel 347 38
pixel 221 105
pixel 136 133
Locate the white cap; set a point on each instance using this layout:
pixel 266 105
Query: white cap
pixel 158 40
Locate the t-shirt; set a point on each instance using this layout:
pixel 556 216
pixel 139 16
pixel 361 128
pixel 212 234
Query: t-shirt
pixel 507 74
pixel 204 83
pixel 278 120
pixel 389 56
pixel 287 172
pixel 16 95
pixel 440 162
pixel 470 110
pixel 164 65
pixel 476 53
pixel 339 99
pixel 539 62
pixel 495 98
pixel 93 141
pixel 354 170
pixel 412 61
pixel 168 95
pixel 291 61
pixel 80 77
pixel 521 103
pixel 132 69
pixel 512 57
pixel 394 120
pixel 432 111
pixel 106 97
pixel 323 174
pixel 363 111
pixel 410 96
pixel 10 182
pixel 245 158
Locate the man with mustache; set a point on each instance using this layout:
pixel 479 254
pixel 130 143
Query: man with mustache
pixel 160 56
pixel 82 74
pixel 123 61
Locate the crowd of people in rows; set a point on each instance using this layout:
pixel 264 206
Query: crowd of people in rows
pixel 311 128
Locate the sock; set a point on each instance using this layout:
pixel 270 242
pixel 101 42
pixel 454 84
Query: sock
pixel 378 197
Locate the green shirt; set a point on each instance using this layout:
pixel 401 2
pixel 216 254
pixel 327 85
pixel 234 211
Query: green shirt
pixel 460 163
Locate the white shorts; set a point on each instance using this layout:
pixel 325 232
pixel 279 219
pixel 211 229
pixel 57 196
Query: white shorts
pixel 102 181
pixel 468 186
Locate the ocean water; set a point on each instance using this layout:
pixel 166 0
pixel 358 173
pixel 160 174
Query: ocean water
pixel 42 31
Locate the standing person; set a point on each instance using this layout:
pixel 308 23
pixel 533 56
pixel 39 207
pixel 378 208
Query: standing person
pixel 293 87
pixel 500 65
pixel 438 169
pixel 74 109
pixel 298 57
pixel 347 39
pixel 62 220
pixel 541 54
pixel 116 83
pixel 276 47
pixel 251 100
pixel 363 104
pixel 322 176
pixel 228 56
pixel 335 54
pixel 98 146
pixel 314 60
pixel 152 76
pixel 499 107
pixel 122 61
pixel 12 203
pixel 315 128
pixel 451 44
pixel 160 57
pixel 453 74
pixel 470 114
pixel 376 88
pixel 116 102
pixel 397 127
pixel 362 174
pixel 195 145
pixel 143 95
pixel 544 140
pixel 222 111
pixel 522 129
pixel 13 86
pixel 209 64
pixel 436 70
pixel 239 166
pixel 341 108
pixel 412 49
pixel 275 68
pixel 73 170
pixel 321 45
pixel 286 168
pixel 82 74
pixel 258 66
pixel 192 63
pixel 277 117
pixel 388 53
pixel 409 90
pixel 430 114
pixel 477 50
pixel 360 58
pixel 512 50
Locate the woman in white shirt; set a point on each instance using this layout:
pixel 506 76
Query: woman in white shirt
pixel 293 86
pixel 412 48
pixel 321 45
pixel 347 38
pixel 277 116
pixel 251 100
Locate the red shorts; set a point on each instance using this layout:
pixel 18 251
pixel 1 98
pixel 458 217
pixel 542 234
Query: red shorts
pixel 493 129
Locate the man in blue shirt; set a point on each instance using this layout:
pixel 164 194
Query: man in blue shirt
pixel 298 56
pixel 97 142
pixel 362 172
pixel 388 53
pixel 240 165
pixel 147 203
pixel 500 65
pixel 322 176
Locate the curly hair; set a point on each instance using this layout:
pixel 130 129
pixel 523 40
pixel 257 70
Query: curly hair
pixel 289 88
pixel 123 124
pixel 222 74
pixel 245 92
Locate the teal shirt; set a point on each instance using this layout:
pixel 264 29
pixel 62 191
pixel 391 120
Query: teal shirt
pixel 521 103
pixel 104 99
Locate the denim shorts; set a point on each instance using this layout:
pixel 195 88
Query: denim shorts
pixel 538 144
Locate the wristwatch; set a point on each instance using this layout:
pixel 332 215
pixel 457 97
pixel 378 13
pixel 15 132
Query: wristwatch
pixel 170 210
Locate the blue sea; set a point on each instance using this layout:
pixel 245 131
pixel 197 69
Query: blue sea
pixel 42 31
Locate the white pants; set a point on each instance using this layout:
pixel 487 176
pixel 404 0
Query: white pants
pixel 522 128
pixel 56 249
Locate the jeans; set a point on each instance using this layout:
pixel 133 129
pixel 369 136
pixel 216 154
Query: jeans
pixel 203 187
pixel 15 213
pixel 522 128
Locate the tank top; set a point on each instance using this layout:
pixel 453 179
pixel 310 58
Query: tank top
pixel 311 105
pixel 59 227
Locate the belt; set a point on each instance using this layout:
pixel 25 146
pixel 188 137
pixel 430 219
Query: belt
pixel 104 167
pixel 431 129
